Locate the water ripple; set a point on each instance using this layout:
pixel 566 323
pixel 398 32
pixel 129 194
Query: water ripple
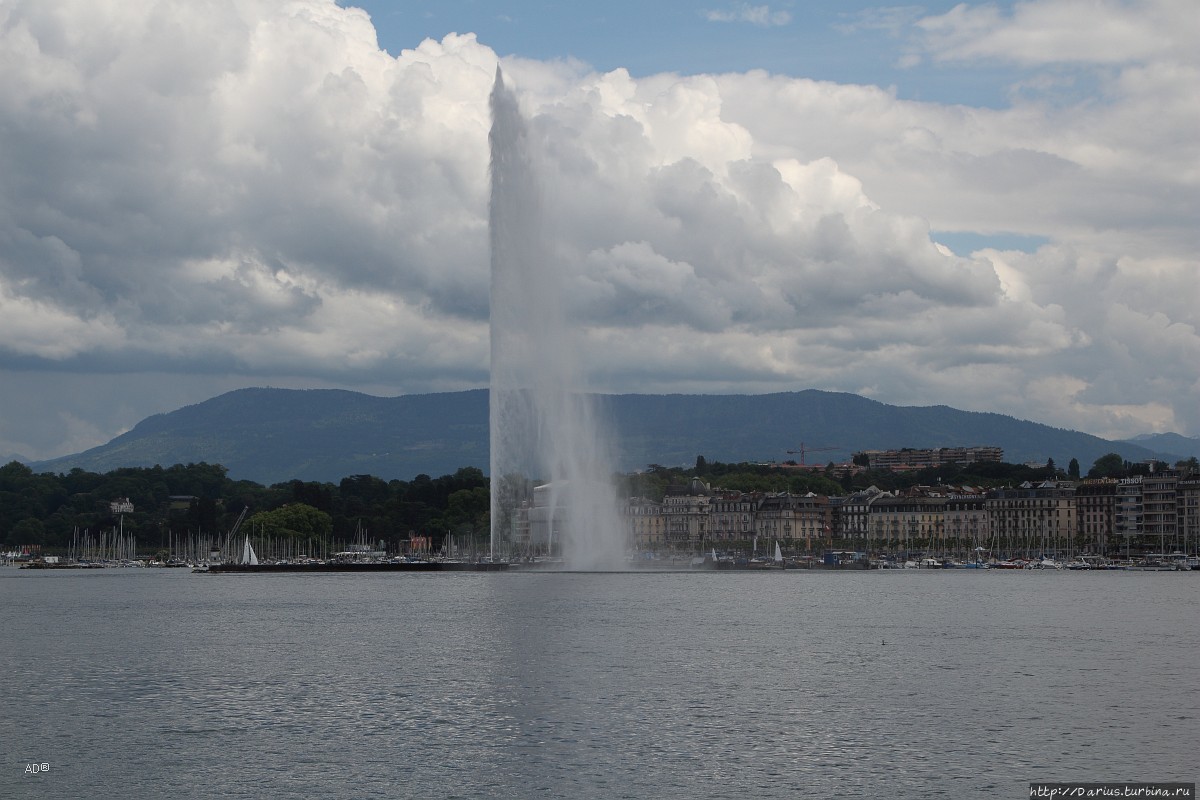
pixel 156 684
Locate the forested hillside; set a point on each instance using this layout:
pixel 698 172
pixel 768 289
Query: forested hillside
pixel 275 435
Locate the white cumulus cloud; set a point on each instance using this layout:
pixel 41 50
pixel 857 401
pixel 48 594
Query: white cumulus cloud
pixel 255 191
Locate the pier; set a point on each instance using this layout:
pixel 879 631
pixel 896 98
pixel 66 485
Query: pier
pixel 363 566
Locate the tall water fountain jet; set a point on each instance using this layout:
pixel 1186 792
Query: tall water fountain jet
pixel 552 465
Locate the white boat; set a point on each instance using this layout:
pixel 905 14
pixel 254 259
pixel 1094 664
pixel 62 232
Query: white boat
pixel 1179 561
pixel 1151 565
pixel 248 554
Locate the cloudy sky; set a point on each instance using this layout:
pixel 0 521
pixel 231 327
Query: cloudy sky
pixel 991 206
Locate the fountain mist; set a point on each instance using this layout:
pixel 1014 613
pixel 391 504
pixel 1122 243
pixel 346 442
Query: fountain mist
pixel 551 464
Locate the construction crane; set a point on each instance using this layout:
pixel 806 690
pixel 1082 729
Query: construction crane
pixel 805 449
pixel 225 551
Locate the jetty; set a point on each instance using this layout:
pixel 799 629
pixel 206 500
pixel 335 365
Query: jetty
pixel 363 566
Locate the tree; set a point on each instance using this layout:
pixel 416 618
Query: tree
pixel 468 506
pixel 1073 469
pixel 13 473
pixel 296 520
pixel 360 494
pixel 202 512
pixel 311 493
pixel 467 512
pixel 27 531
pixel 1188 465
pixel 1108 466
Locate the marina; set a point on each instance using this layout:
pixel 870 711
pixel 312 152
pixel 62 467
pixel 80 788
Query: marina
pixel 837 560
pixel 1178 564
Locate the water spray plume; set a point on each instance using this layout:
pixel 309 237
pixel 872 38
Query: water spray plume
pixel 552 462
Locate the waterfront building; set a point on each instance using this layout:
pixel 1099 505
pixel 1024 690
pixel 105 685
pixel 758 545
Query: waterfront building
pixel 966 526
pixel 1187 510
pixel 1033 519
pixel 1159 530
pixel 913 522
pixel 851 516
pixel 644 523
pixel 685 514
pixel 1128 514
pixel 1052 518
pixel 814 518
pixel 731 516
pixel 1095 514
pixel 837 504
pixel 791 517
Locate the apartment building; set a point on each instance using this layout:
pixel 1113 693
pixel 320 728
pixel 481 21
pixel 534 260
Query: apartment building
pixel 1159 522
pixel 911 459
pixel 1127 522
pixel 645 523
pixel 1096 513
pixel 732 515
pixel 1104 516
pixel 966 525
pixel 1035 519
pixel 908 523
pixel 685 511
pixel 851 514
pixel 786 517
pixel 1187 511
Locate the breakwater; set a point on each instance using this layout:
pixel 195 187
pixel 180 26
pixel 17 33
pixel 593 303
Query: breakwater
pixel 362 566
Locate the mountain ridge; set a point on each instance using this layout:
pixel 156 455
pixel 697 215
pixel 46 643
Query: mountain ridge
pixel 1185 446
pixel 273 435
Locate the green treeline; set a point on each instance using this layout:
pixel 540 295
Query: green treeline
pixel 172 502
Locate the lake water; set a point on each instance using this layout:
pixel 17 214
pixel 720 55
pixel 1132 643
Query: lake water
pixel 905 684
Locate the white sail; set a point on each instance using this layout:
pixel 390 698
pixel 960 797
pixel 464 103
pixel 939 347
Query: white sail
pixel 778 553
pixel 248 554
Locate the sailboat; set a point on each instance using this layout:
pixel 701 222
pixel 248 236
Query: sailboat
pixel 248 554
pixel 778 554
